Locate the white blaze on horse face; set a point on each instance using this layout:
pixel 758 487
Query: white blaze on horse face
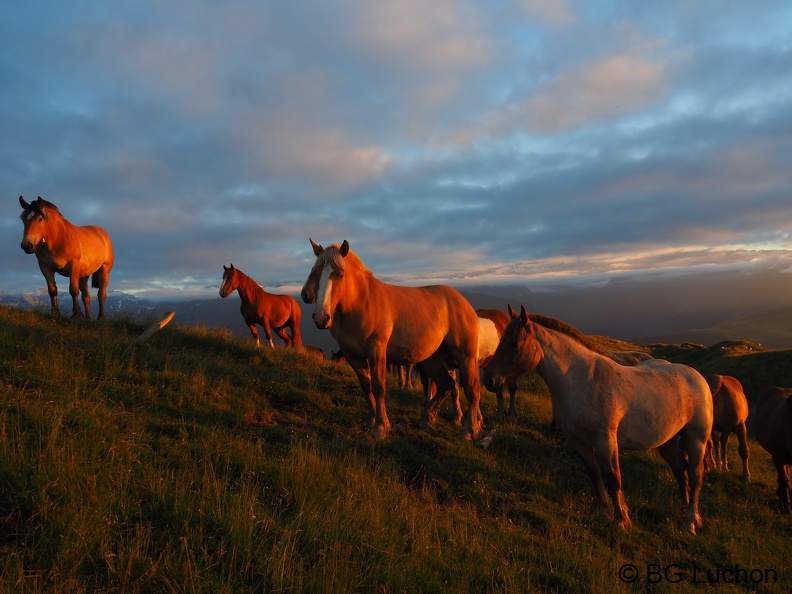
pixel 322 315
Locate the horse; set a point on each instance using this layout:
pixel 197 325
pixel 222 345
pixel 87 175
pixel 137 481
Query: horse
pixel 500 320
pixel 491 325
pixel 487 342
pixel 729 412
pixel 272 312
pixel 69 250
pixel 602 406
pixel 773 430
pixel 376 323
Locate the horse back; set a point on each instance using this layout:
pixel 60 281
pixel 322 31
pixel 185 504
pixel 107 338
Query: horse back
pixel 773 423
pixel 664 398
pixel 414 321
pixel 729 405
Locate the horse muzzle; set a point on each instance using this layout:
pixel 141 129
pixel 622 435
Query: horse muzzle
pixel 322 320
pixel 28 247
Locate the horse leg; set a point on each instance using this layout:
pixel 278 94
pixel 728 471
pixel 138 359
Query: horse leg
pixel 74 290
pixel 607 451
pixel 435 370
pixel 281 332
pixel 512 418
pixel 52 290
pixel 296 338
pixel 379 382
pixel 586 453
pixel 86 296
pixel 695 446
pixel 502 416
pixel 723 442
pixel 455 400
pixel 783 485
pixel 265 323
pixel 675 458
pixel 742 449
pixel 254 332
pixel 468 375
pixel 101 278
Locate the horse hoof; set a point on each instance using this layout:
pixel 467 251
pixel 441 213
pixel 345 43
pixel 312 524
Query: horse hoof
pixel 379 432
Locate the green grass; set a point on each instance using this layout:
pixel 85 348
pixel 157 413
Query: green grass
pixel 201 464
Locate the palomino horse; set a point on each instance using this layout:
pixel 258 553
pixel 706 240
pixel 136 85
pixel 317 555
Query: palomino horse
pixel 729 412
pixel 602 406
pixel 76 252
pixel 272 312
pixel 773 430
pixel 376 323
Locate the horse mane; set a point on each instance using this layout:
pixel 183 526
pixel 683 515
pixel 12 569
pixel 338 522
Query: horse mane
pixel 567 329
pixel 332 255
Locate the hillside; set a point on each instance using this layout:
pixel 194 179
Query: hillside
pixel 200 463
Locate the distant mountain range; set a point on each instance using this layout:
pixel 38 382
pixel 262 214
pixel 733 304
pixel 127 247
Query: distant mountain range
pixel 703 308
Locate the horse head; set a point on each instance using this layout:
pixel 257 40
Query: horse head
pixel 230 281
pixel 518 352
pixel 327 271
pixel 34 218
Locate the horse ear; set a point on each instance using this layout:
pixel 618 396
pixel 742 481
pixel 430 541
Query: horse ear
pixel 23 203
pixel 512 313
pixel 524 316
pixel 317 249
pixel 344 248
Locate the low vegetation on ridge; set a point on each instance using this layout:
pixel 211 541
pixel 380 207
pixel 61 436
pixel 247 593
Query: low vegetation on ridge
pixel 198 463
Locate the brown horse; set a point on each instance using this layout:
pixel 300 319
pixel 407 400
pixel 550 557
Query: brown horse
pixel 602 406
pixel 729 412
pixel 773 430
pixel 272 312
pixel 500 319
pixel 69 250
pixel 491 325
pixel 376 323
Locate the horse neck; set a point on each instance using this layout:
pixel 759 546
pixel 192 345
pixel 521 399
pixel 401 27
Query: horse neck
pixel 247 287
pixel 563 356
pixel 57 228
pixel 358 285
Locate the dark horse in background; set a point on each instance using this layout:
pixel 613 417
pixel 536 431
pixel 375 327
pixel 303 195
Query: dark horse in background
pixel 773 429
pixel 272 312
pixel 69 250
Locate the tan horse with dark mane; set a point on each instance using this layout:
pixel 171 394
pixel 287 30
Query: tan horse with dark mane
pixel 272 312
pixel 69 250
pixel 604 407
pixel 376 323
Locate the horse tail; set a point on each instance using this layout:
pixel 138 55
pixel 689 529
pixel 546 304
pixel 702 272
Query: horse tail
pixel 95 282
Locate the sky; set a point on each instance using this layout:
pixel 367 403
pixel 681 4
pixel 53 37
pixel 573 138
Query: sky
pixel 496 141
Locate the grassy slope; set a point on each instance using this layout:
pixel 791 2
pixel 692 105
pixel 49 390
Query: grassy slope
pixel 199 463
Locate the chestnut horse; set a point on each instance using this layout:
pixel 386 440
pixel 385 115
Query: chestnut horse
pixel 729 412
pixel 272 312
pixel 773 429
pixel 376 323
pixel 602 406
pixel 69 250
